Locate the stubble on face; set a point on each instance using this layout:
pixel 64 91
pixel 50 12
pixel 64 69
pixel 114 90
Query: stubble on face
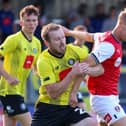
pixel 57 43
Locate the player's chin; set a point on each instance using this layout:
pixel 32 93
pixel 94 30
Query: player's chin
pixel 61 52
pixel 62 49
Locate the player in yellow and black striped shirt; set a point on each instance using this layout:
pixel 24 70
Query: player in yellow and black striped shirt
pixel 58 67
pixel 20 52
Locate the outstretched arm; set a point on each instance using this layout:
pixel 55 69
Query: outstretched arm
pixel 79 34
pixel 91 68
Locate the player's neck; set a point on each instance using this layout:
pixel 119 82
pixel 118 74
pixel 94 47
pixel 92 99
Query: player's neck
pixel 27 35
pixel 55 54
pixel 115 35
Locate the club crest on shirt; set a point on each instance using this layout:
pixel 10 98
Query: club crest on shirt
pixel 34 50
pixel 71 61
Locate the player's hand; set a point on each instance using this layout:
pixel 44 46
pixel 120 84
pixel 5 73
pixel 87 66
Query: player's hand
pixel 66 30
pixel 76 69
pixel 79 69
pixel 12 80
pixel 84 67
pixel 73 100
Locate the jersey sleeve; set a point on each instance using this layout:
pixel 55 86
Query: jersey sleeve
pixel 103 51
pixel 82 52
pixel 45 71
pixel 8 46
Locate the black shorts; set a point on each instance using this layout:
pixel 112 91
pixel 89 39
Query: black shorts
pixel 13 104
pixel 55 115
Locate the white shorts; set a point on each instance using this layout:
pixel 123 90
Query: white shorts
pixel 107 108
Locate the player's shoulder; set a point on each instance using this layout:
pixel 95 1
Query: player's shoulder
pixel 44 54
pixel 72 46
pixel 101 35
pixel 76 48
pixel 15 35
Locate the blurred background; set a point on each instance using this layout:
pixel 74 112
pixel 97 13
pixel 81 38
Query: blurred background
pixel 96 15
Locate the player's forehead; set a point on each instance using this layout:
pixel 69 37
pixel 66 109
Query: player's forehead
pixel 32 15
pixel 56 33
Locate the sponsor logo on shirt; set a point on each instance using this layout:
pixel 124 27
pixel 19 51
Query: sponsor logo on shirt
pixel 28 62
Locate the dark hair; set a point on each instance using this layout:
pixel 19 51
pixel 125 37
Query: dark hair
pixel 29 9
pixel 5 1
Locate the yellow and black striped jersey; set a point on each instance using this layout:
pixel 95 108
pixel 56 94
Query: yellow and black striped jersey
pixel 52 69
pixel 20 55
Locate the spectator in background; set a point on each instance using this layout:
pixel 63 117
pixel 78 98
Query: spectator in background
pixel 80 15
pixel 99 17
pixel 80 42
pixel 7 18
pixel 76 16
pixel 110 22
pixel 42 21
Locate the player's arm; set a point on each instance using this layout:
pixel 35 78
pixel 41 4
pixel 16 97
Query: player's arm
pixel 91 67
pixel 56 89
pixel 92 71
pixel 94 60
pixel 6 48
pixel 73 95
pixel 103 52
pixel 11 80
pixel 94 68
pixel 79 34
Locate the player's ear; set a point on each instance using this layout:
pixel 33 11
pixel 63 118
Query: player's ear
pixel 21 22
pixel 46 43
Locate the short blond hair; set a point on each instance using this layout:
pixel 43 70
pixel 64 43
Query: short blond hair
pixel 47 28
pixel 122 17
